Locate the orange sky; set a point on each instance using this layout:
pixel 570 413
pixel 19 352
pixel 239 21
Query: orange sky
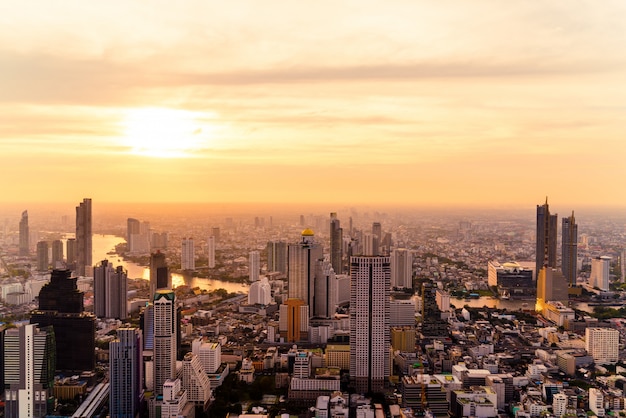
pixel 351 102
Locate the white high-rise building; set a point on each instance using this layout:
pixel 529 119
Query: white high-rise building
pixel 187 256
pixel 402 268
pixel 210 251
pixel 254 259
pixel 260 292
pixel 559 404
pixel 195 381
pixel 369 322
pixel 371 244
pixel 596 402
pixel 110 291
pixel 126 373
pixel 600 268
pixel 164 338
pixel 174 401
pixel 209 354
pixel 602 344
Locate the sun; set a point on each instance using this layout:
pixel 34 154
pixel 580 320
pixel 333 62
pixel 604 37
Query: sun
pixel 166 133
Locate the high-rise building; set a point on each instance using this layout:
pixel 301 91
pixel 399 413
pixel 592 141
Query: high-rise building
pixel 371 245
pixel 377 230
pixel 195 381
pixel 61 305
pixel 110 291
pixel 254 259
pixel 551 287
pixel 83 237
pixel 569 249
pixel 210 251
pixel 71 253
pixel 602 344
pixel 165 329
pixel 369 322
pixel 138 236
pixel 545 253
pixel 336 244
pixel 159 273
pixel 57 254
pixel 325 292
pixel 600 269
pixel 511 279
pixel 42 256
pixel 277 256
pixel 125 373
pixel 29 364
pixel 215 231
pixel 301 267
pixel 432 325
pixel 188 255
pixel 260 292
pixel 24 235
pixel 402 269
pixel 209 354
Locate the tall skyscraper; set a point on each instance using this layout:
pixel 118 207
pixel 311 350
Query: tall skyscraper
pixel 551 287
pixel 126 373
pixel 600 269
pixel 545 253
pixel 188 255
pixel 301 267
pixel 42 256
pixel 371 245
pixel 24 235
pixel 377 230
pixel 569 248
pixel 159 273
pixel 370 279
pixel 210 251
pixel 254 262
pixel 61 305
pixel 165 329
pixel 29 360
pixel 402 268
pixel 71 253
pixel 57 254
pixel 336 244
pixel 83 237
pixel 325 290
pixel 277 256
pixel 110 291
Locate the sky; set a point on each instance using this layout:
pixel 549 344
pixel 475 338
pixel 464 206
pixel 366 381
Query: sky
pixel 409 103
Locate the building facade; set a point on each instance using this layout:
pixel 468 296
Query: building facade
pixel 83 237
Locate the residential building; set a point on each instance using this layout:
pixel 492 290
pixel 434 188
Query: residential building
pixel 125 373
pixel 110 291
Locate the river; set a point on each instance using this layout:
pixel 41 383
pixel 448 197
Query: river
pixel 102 245
pixel 511 304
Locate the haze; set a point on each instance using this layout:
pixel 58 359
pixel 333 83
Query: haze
pixel 478 103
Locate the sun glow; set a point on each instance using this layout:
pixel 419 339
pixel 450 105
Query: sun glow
pixel 166 133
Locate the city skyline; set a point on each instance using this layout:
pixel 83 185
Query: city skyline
pixel 459 103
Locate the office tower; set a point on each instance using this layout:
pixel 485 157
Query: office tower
pixel 402 269
pixel 551 287
pixel 336 244
pixel 569 249
pixel 146 324
pixel 83 237
pixel 57 254
pixel 369 322
pixel 545 253
pixel 29 358
pixel 377 230
pixel 125 373
pixel 260 292
pixel 325 291
pixel 110 291
pixel 61 305
pixel 600 269
pixel 24 235
pixel 511 279
pixel 188 255
pixel 277 256
pixel 210 250
pixel 371 245
pixel 301 267
pixel 42 256
pixel 165 329
pixel 195 381
pixel 159 273
pixel 132 233
pixel 209 354
pixel 254 259
pixel 432 325
pixel 71 253
pixel 602 344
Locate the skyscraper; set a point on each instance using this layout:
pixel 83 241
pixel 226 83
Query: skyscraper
pixel 137 236
pixel 126 373
pixel 24 235
pixel 569 248
pixel 325 290
pixel 29 358
pixel 545 253
pixel 551 287
pixel 159 273
pixel 369 322
pixel 188 256
pixel 210 251
pixel 57 254
pixel 165 329
pixel 301 267
pixel 71 253
pixel 83 237
pixel 401 269
pixel 42 256
pixel 336 244
pixel 254 259
pixel 110 291
pixel 277 256
pixel 600 269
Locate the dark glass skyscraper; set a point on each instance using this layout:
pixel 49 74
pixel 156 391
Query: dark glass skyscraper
pixel 546 238
pixel 83 237
pixel 159 273
pixel 336 244
pixel 24 235
pixel 569 249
